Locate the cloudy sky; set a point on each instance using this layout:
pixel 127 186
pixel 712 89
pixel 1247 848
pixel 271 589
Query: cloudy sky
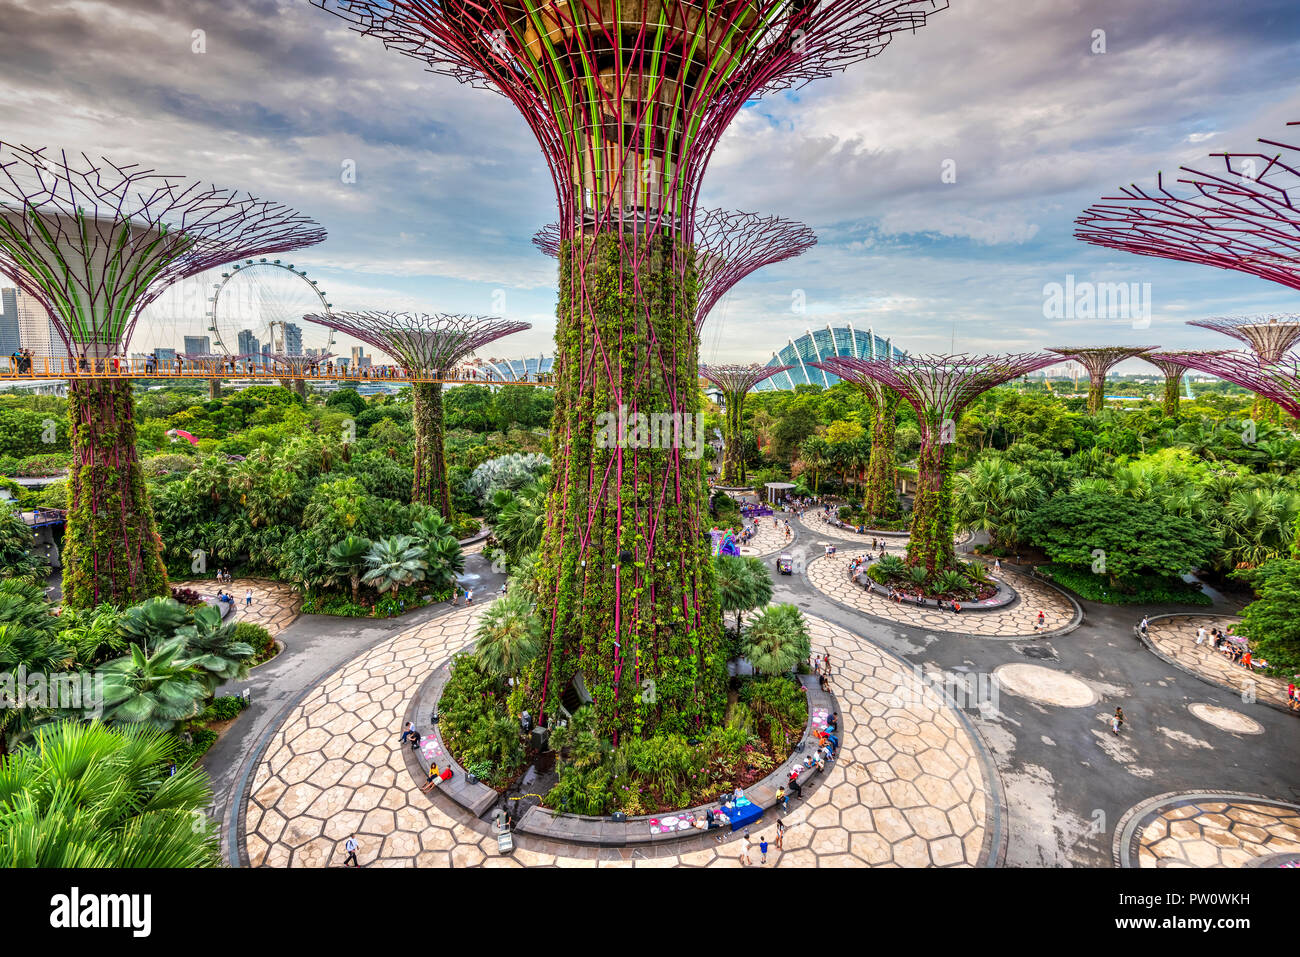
pixel 450 185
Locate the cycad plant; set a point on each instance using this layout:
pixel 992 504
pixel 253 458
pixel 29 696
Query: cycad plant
pixel 394 563
pixel 92 796
pixel 211 646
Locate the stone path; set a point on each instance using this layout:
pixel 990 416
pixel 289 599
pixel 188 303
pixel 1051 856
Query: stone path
pixel 1175 637
pixel 1216 832
pixel 770 539
pixel 275 604
pixel 908 788
pixel 815 523
pixel 830 576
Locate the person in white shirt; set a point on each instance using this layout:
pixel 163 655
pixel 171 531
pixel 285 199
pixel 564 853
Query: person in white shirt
pixel 1200 634
pixel 350 845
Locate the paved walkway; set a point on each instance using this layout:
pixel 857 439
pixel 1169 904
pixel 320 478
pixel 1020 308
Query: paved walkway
pixel 817 524
pixel 907 789
pixel 1216 832
pixel 770 538
pixel 275 604
pixel 829 575
pixel 1176 638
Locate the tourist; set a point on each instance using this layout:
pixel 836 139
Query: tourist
pixel 350 845
pixel 762 849
pixel 795 786
pixel 469 596
pixel 525 721
pixel 248 598
pixel 956 606
pixel 1143 626
pixel 744 849
pixel 411 734
pixel 1119 716
pixel 780 833
pixel 997 566
pixel 431 780
pixel 833 722
pixel 783 799
pixel 1200 634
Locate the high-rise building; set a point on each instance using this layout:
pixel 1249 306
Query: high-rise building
pixel 359 358
pixel 9 342
pixel 198 345
pixel 36 330
pixel 292 339
pixel 248 344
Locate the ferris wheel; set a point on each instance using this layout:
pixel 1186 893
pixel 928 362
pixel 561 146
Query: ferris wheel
pixel 258 307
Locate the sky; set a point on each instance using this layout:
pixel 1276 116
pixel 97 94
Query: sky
pixel 450 185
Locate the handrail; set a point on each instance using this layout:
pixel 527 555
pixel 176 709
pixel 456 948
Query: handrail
pixel 30 368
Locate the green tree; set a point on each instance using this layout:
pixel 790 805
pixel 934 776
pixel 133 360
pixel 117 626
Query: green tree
pixel 348 558
pixel 1270 621
pixel 776 640
pixel 994 497
pixel 742 584
pixel 1126 540
pixel 159 690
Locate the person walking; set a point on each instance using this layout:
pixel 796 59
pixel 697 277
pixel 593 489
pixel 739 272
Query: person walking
pixel 780 833
pixel 248 598
pixel 1200 634
pixel 469 596
pixel 744 850
pixel 1143 626
pixel 350 845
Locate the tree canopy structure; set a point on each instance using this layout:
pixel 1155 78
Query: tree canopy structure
pixel 1098 361
pixel 94 243
pixel 939 388
pixel 627 102
pixel 294 366
pixel 881 498
pixel 1271 337
pixel 1242 214
pixel 735 381
pixel 425 345
pixel 728 247
pixel 1277 381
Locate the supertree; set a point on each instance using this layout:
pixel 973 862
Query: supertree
pixel 1277 381
pixel 881 498
pixel 628 101
pixel 295 367
pixel 939 388
pixel 735 381
pixel 1098 361
pixel 95 243
pixel 211 360
pixel 728 247
pixel 1245 216
pixel 426 346
pixel 1271 337
pixel 1173 373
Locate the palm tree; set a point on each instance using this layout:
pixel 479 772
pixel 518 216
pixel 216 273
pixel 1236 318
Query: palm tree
pixel 509 636
pixel 36 651
pixel 94 796
pixel 777 639
pixel 348 557
pixel 1258 525
pixel 93 634
pixel 995 496
pixel 153 621
pixel 394 563
pixel 521 519
pixel 159 690
pixel 211 646
pixel 742 584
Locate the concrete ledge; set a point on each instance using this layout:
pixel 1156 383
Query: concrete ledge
pixel 483 533
pixel 1006 595
pixel 605 832
pixel 475 798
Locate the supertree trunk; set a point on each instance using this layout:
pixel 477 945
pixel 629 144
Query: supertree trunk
pixel 431 485
pixel 733 459
pixel 930 542
pixel 626 576
pixel 1173 380
pixel 881 499
pixel 214 389
pixel 1096 394
pixel 112 552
